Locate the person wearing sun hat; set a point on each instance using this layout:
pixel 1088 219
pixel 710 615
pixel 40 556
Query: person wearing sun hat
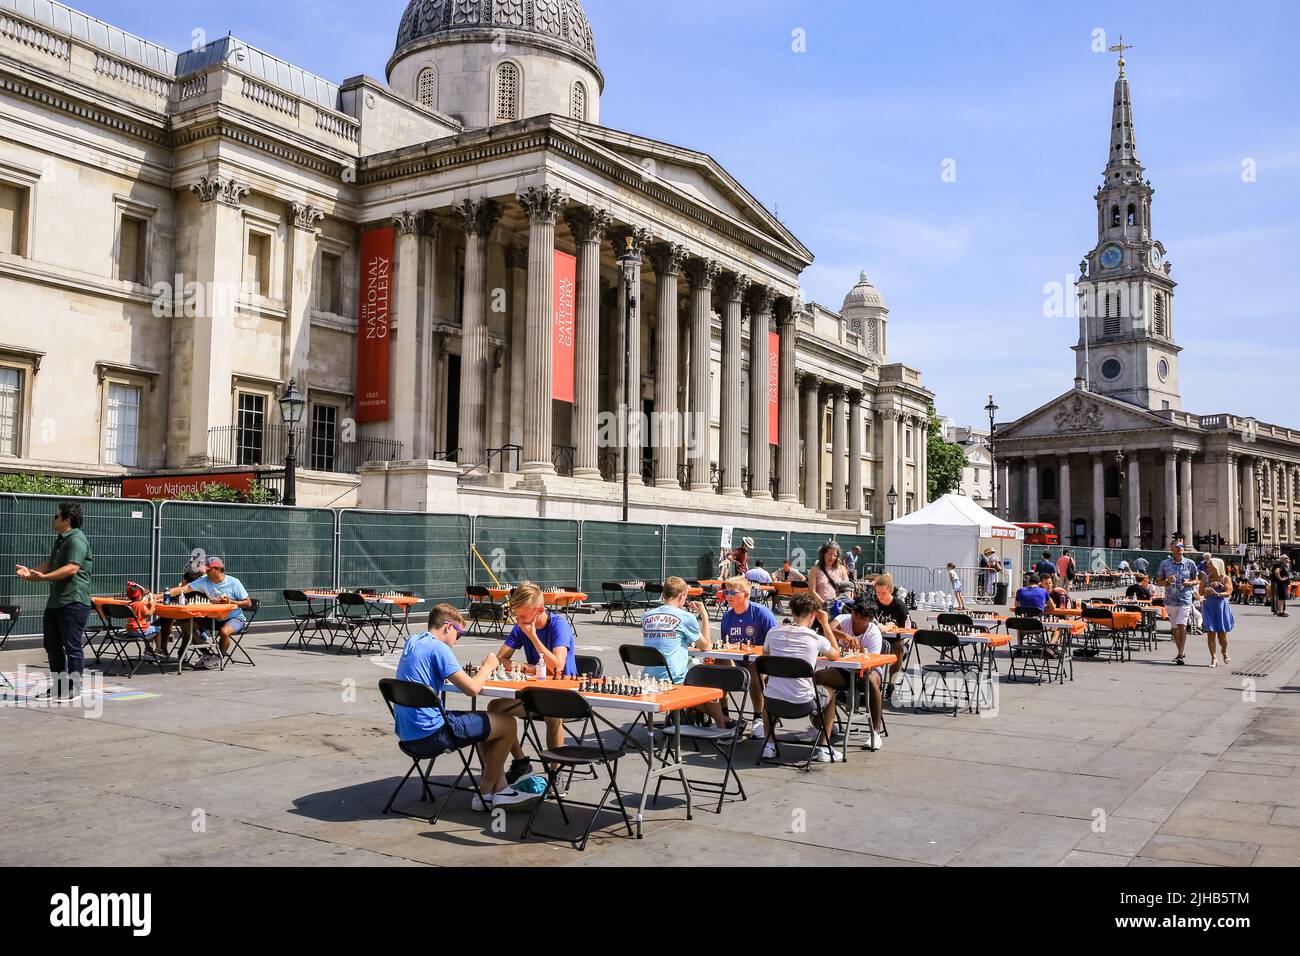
pixel 740 556
pixel 220 588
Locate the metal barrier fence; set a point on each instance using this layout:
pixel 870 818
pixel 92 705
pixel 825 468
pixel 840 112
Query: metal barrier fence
pixel 612 551
pixel 526 549
pixel 913 578
pixel 392 551
pixel 267 547
pixel 1093 559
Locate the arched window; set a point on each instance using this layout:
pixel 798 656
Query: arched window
pixel 1162 320
pixel 1268 484
pixel 426 88
pixel 1114 215
pixel 1268 527
pixel 1281 485
pixel 578 102
pixel 1132 215
pixel 507 92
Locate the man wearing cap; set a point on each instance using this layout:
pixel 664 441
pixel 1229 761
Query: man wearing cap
pixel 1178 576
pixel 220 588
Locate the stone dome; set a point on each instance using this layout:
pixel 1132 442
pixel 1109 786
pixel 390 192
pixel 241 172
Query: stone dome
pixel 863 295
pixel 559 24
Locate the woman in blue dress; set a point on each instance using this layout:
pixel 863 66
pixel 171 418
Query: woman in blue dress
pixel 1216 589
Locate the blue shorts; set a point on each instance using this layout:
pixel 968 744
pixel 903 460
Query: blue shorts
pixel 461 729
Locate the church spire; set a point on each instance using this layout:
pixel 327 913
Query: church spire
pixel 1123 146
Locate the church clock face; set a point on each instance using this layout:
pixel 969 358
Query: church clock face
pixel 1156 259
pixel 1111 257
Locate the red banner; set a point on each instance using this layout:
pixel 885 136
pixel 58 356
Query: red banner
pixel 566 285
pixel 169 486
pixel 773 388
pixel 374 313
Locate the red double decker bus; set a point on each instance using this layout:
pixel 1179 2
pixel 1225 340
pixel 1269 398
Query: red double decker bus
pixel 1039 532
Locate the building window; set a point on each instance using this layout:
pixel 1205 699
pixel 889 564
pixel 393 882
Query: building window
pixel 13 219
pixel 578 102
pixel 250 422
pixel 11 410
pixel 1162 320
pixel 866 501
pixel 122 425
pixel 1297 529
pixel 132 250
pixel 1268 528
pixel 911 503
pixel 1112 325
pixel 329 290
pixel 1110 369
pixel 324 437
pixel 426 88
pixel 257 264
pixel 907 441
pixel 1267 484
pixel 1114 216
pixel 507 92
pixel 1132 215
pixel 1281 485
pixel 827 506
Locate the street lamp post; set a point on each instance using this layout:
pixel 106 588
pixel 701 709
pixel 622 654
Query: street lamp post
pixel 1119 472
pixel 992 409
pixel 628 262
pixel 893 500
pixel 292 407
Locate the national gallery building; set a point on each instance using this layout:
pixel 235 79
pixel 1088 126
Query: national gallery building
pixel 434 261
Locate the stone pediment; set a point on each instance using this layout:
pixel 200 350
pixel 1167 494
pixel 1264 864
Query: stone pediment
pixel 1080 413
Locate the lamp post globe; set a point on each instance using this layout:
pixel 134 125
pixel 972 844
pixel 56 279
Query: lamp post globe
pixel 292 409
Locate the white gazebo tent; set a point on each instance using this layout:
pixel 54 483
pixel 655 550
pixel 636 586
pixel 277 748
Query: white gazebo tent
pixel 955 529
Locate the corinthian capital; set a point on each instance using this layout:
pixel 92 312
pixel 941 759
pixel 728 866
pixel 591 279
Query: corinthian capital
pixel 305 215
pixel 619 235
pixel 667 258
pixel 760 299
pixel 702 273
pixel 221 188
pixel 479 216
pixel 542 203
pixel 587 224
pixel 732 286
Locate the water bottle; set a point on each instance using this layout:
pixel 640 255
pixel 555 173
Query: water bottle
pixel 541 668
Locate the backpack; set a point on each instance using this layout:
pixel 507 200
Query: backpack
pixel 1069 570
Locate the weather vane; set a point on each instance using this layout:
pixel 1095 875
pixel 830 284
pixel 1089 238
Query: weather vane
pixel 1119 48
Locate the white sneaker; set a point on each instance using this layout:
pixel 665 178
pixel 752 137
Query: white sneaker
pixel 827 755
pixel 769 750
pixel 760 729
pixel 877 741
pixel 511 799
pixel 479 806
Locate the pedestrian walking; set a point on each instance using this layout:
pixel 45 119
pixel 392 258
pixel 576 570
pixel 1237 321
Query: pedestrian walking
pixel 1178 576
pixel 954 580
pixel 1216 612
pixel 67 571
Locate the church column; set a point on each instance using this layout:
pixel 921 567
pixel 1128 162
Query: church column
pixel 1098 502
pixel 1134 501
pixel 640 240
pixel 588 227
pixel 812 442
pixel 667 259
pixel 479 217
pixel 855 452
pixel 787 405
pixel 1186 516
pixel 412 348
pixel 1031 490
pixel 732 288
pixel 543 206
pixel 839 441
pixel 1065 527
pixel 1171 495
pixel 760 453
pixel 703 273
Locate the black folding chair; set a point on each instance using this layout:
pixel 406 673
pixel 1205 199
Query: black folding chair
pixel 307 613
pixel 1101 627
pixel 1036 650
pixel 121 640
pixel 541 703
pixel 1027 612
pixel 734 684
pixel 9 614
pixel 958 622
pixel 795 669
pixel 618 600
pixel 405 693
pixel 486 616
pixel 353 618
pixel 638 655
pixel 237 639
pixel 949 662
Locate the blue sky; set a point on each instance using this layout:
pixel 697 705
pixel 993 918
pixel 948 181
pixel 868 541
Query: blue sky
pixel 848 141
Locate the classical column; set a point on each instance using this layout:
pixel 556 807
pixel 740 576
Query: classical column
pixel 302 252
pixel 891 452
pixel 1247 489
pixel 1031 490
pixel 1171 495
pixel 667 258
pixel 1098 502
pixel 412 352
pixel 923 460
pixel 732 288
pixel 1066 527
pixel 479 217
pixel 760 449
pixel 1004 489
pixel 1134 501
pixel 812 441
pixel 588 227
pixel 618 237
pixel 702 273
pixel 839 448
pixel 542 205
pixel 855 452
pixel 1186 515
pixel 217 257
pixel 516 258
pixel 788 430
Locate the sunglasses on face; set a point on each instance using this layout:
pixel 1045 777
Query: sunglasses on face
pixel 730 594
pixel 456 627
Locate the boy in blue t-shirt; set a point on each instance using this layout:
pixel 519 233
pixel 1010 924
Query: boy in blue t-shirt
pixel 747 623
pixel 674 631
pixel 543 637
pixel 427 659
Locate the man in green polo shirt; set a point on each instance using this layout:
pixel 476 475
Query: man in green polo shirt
pixel 68 607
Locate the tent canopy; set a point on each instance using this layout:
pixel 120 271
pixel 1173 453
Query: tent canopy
pixel 958 515
pixel 953 528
